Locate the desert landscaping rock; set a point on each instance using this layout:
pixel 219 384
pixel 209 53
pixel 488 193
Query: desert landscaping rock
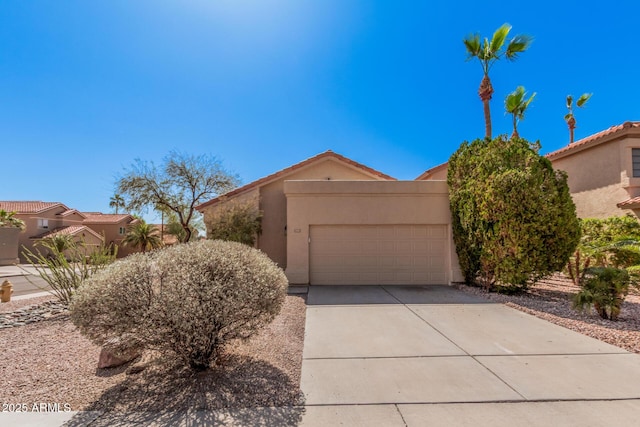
pixel 551 300
pixel 49 361
pixel 32 313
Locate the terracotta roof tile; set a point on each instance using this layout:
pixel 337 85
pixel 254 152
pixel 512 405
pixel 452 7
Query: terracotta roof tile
pixel 428 172
pixel 71 230
pixel 291 169
pixel 29 206
pixel 100 218
pixel 71 212
pixel 596 138
pixel 629 203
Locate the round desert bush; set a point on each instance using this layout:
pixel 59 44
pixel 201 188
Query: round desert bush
pixel 186 301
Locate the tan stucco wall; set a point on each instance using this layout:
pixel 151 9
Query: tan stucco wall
pixel 32 230
pixel 273 203
pixel 111 233
pixel 9 249
pixel 361 202
pixel 600 177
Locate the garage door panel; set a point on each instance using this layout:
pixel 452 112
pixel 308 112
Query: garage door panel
pixel 378 254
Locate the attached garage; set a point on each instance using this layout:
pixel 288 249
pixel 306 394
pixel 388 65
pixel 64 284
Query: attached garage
pixel 369 233
pixel 378 254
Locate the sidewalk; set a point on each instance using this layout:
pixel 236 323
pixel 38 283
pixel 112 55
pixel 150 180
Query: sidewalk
pixel 25 279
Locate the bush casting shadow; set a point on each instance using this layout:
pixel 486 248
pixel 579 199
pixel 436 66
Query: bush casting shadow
pixel 239 384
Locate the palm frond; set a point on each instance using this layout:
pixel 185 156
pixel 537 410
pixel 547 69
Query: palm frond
pixel 583 99
pixel 472 43
pixel 518 44
pixel 569 101
pixel 499 37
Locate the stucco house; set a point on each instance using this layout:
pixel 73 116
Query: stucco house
pixel 331 220
pixel 46 219
pixel 113 227
pixel 603 171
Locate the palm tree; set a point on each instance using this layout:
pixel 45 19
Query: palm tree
pixel 489 51
pixel 116 202
pixel 569 118
pixel 142 235
pixel 516 105
pixel 9 220
pixel 58 242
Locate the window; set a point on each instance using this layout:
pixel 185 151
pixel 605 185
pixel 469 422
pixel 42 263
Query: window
pixel 122 231
pixel 635 156
pixel 43 223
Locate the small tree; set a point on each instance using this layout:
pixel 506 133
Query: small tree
pixel 180 184
pixel 513 218
pixel 604 289
pixel 516 104
pixel 59 242
pixel 117 202
pixel 238 222
pixel 569 117
pixel 143 236
pixel 66 267
pixel 185 301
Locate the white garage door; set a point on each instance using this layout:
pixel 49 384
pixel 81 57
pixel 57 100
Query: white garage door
pixel 378 254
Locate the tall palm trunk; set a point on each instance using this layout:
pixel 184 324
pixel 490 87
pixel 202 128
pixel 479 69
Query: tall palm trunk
pixel 572 125
pixel 515 134
pixel 485 92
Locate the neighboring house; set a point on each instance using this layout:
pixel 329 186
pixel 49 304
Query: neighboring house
pixel 331 220
pixel 45 219
pixel 603 171
pixel 113 227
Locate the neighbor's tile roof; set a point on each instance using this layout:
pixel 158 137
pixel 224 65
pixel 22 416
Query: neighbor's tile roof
pixel 291 169
pixel 629 203
pixel 29 206
pixel 71 212
pixel 428 172
pixel 100 218
pixel 594 139
pixel 71 230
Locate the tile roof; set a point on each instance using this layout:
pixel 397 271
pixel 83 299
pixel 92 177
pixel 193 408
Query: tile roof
pixel 596 138
pixel 428 172
pixel 71 212
pixel 100 218
pixel 629 203
pixel 71 230
pixel 286 171
pixel 29 206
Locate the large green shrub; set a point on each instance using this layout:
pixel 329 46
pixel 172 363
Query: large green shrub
pixel 187 300
pixel 613 241
pixel 512 215
pixel 236 222
pixel 604 289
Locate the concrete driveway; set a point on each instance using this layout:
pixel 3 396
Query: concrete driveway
pixel 413 356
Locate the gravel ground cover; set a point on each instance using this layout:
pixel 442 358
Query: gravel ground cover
pixel 49 361
pixel 550 299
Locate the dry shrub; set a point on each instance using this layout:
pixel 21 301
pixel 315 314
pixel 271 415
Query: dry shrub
pixel 185 301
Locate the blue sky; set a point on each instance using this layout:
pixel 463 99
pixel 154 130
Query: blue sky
pixel 88 86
